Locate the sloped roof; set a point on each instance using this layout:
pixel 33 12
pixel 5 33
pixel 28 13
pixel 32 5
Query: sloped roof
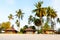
pixel 29 29
pixel 11 28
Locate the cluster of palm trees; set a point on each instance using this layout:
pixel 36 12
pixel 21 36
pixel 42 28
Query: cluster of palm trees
pixel 40 12
pixel 19 15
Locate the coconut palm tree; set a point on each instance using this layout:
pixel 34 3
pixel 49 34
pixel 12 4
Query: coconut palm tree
pixel 40 11
pixel 36 21
pixel 19 15
pixel 30 19
pixel 10 16
pixel 17 22
pixel 52 14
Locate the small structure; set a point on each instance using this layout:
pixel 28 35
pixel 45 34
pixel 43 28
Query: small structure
pixel 10 30
pixel 29 31
pixel 49 31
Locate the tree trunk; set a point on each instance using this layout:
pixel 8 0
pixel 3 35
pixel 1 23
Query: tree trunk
pixel 19 25
pixel 52 24
pixel 41 24
pixel 47 19
pixel 38 31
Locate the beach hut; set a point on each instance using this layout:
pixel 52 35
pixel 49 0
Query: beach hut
pixel 10 30
pixel 29 31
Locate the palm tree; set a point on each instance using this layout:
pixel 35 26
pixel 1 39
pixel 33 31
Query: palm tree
pixel 19 15
pixel 17 22
pixel 40 11
pixel 10 16
pixel 30 19
pixel 36 21
pixel 58 20
pixel 52 14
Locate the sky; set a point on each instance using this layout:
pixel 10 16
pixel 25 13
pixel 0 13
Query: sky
pixel 11 6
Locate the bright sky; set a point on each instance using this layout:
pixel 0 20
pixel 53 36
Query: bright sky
pixel 10 6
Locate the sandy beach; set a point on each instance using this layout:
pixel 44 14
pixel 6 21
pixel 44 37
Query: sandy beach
pixel 29 37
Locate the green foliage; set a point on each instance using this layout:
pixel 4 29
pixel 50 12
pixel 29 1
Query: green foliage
pixel 1 28
pixel 51 12
pixel 17 23
pixel 22 30
pixel 33 27
pixel 39 12
pixel 37 22
pixel 58 20
pixel 38 5
pixel 10 17
pixel 26 26
pixel 39 31
pixel 30 19
pixel 5 25
pixel 19 14
pixel 46 26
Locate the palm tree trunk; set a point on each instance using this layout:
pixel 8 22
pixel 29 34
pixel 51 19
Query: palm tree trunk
pixel 54 24
pixel 47 19
pixel 19 25
pixel 38 31
pixel 51 24
pixel 41 24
